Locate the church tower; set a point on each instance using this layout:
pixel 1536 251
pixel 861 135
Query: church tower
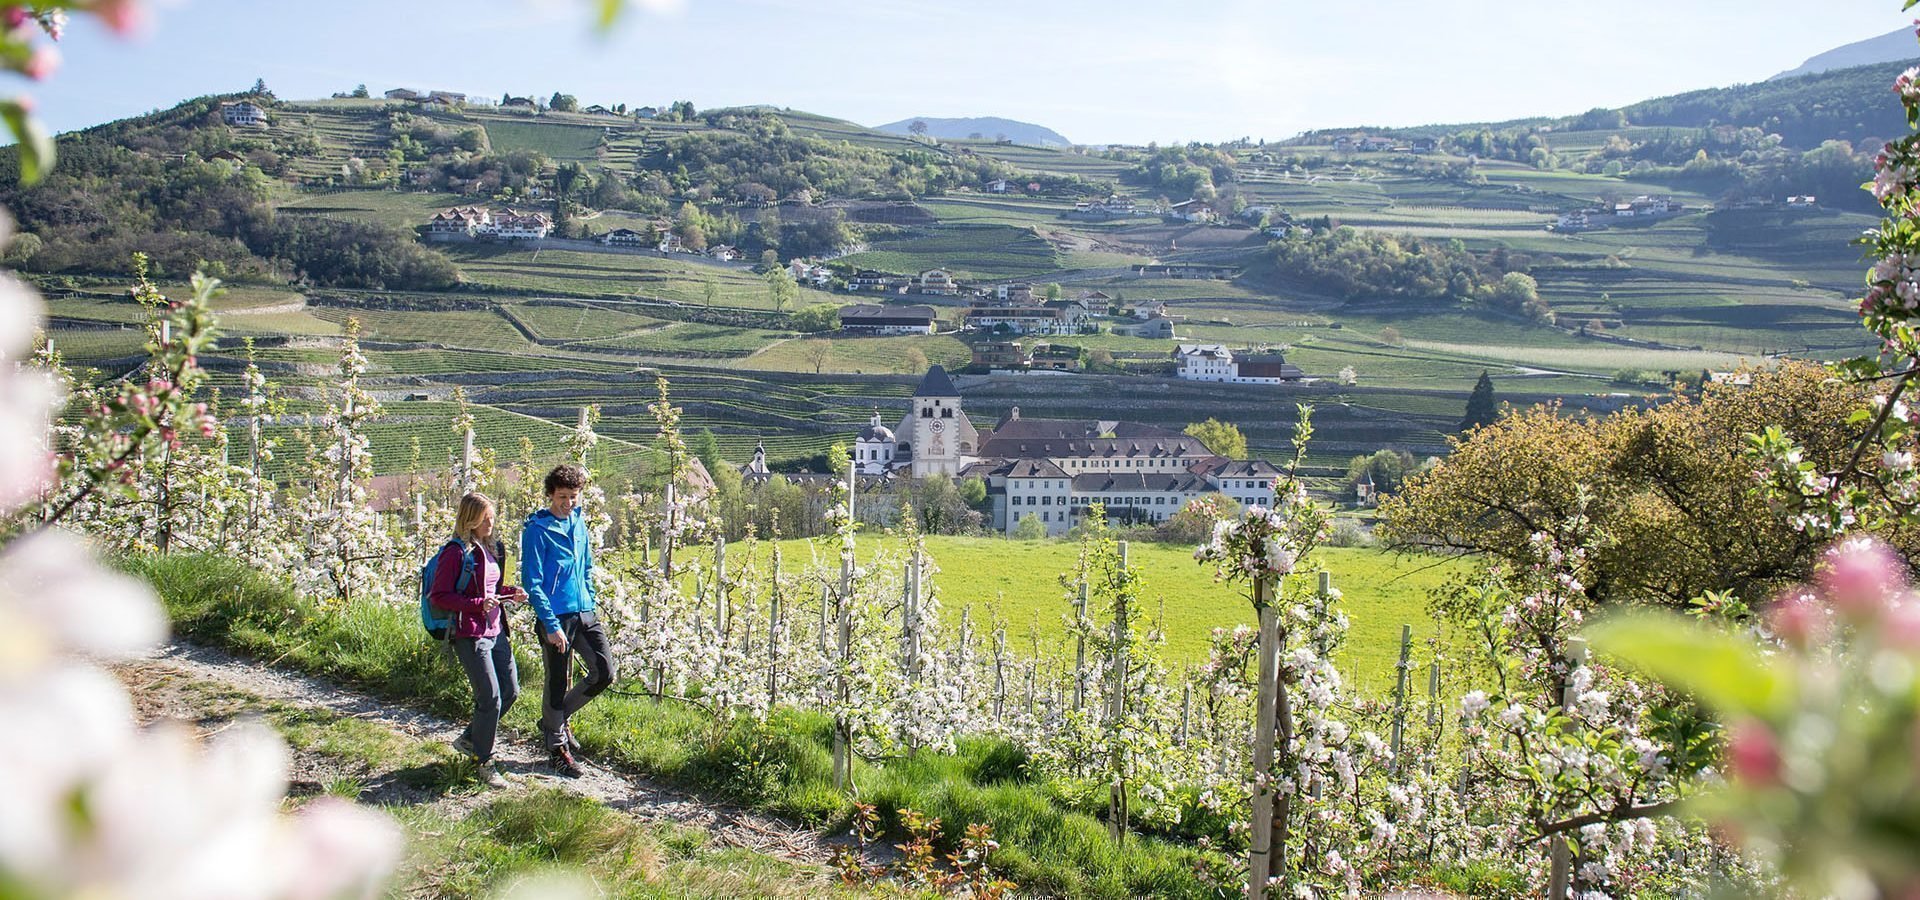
pixel 935 432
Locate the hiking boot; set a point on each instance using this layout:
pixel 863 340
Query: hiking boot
pixel 489 773
pixel 562 761
pixel 566 734
pixel 464 744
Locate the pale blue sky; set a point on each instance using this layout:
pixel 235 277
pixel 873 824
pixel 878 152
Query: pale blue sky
pixel 1097 71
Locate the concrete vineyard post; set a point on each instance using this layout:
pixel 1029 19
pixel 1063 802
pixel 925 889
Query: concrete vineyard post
pixel 1122 634
pixel 466 462
pixel 1400 694
pixel 1080 643
pixel 774 630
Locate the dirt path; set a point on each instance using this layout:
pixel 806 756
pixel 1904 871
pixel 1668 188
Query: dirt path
pixel 208 689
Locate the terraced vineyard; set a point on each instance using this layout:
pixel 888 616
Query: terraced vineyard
pixel 540 330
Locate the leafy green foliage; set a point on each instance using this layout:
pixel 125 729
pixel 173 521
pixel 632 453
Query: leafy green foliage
pixel 763 158
pixel 1353 264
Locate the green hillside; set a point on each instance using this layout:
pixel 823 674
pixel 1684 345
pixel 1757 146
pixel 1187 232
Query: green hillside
pixel 316 218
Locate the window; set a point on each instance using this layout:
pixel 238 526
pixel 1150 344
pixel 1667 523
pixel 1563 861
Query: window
pixel 1016 500
pixel 1047 517
pixel 946 413
pixel 1046 501
pixel 926 412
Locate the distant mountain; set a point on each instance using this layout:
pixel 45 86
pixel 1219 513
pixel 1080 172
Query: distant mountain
pixel 986 126
pixel 1897 46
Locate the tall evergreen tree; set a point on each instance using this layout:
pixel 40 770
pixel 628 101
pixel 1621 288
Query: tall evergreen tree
pixel 1481 409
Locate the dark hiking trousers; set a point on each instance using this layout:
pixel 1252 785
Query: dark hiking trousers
pixel 496 684
pixel 585 637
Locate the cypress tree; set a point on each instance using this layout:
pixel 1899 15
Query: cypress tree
pixel 1481 410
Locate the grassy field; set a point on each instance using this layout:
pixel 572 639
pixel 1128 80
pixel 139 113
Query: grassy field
pixel 617 274
pixel 477 329
pixel 861 354
pixel 1017 584
pixel 400 209
pixel 970 252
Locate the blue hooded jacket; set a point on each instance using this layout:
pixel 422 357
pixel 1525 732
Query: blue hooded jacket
pixel 555 561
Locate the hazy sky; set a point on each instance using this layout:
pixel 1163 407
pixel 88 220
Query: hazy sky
pixel 1097 71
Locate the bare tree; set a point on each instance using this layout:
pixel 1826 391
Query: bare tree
pixel 818 352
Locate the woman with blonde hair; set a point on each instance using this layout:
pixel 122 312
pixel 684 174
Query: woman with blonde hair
pixel 468 584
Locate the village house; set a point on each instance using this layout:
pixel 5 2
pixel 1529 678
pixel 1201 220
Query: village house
pixel 1055 358
pixel 724 253
pixel 402 94
pixel 1214 362
pixel 670 243
pixel 869 318
pixel 1806 202
pixel 1055 469
pixel 624 237
pixel 1155 327
pixel 647 112
pixel 452 97
pixel 459 223
pixel 1192 211
pixel 999 186
pixel 598 110
pixel 1425 145
pixel 809 273
pixel 990 355
pixel 1014 294
pixel 870 281
pixel 938 283
pixel 1025 319
pixel 1102 210
pixel 518 103
pixel 243 114
pixel 510 225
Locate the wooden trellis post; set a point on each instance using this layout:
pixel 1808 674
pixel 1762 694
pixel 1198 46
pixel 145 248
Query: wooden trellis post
pixel 1560 877
pixel 842 724
pixel 1262 856
pixel 1273 734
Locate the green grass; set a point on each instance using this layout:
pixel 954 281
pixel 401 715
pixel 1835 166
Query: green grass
pixel 1016 580
pixel 584 273
pixel 399 209
pixel 479 329
pixel 970 251
pixel 560 142
pixel 781 766
pixel 689 338
pixel 545 832
pixel 863 354
pixel 578 323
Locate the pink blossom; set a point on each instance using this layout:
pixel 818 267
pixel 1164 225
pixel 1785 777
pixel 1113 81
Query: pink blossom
pixel 1753 754
pixel 1900 627
pixel 42 63
pixel 1798 619
pixel 125 17
pixel 1860 576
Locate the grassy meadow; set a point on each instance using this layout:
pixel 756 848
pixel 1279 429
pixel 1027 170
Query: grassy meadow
pixel 1016 583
